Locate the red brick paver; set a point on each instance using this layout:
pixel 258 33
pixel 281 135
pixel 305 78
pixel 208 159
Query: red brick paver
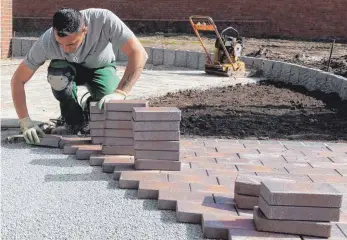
pixel 203 190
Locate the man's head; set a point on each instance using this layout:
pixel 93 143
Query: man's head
pixel 69 29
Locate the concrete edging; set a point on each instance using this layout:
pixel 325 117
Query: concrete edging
pixel 310 78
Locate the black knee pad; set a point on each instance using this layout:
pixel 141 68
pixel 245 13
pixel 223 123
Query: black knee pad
pixel 60 76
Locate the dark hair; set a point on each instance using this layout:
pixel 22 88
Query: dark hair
pixel 66 21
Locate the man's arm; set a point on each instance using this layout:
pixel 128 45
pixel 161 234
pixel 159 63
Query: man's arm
pixel 22 75
pixel 137 58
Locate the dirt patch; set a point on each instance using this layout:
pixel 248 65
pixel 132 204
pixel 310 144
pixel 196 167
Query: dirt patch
pixel 260 111
pixel 310 54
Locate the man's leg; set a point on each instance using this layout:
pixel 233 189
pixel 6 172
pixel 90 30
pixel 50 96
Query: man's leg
pixel 104 81
pixel 62 78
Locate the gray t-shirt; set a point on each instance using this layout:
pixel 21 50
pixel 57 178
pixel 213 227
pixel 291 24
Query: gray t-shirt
pixel 106 34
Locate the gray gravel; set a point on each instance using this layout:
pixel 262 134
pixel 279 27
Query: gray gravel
pixel 48 195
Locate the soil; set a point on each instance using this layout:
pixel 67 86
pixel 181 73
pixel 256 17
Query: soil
pixel 267 110
pixel 307 53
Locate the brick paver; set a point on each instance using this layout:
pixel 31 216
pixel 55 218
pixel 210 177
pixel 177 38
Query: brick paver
pixel 203 191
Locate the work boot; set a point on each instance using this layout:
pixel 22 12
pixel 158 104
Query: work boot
pixel 64 128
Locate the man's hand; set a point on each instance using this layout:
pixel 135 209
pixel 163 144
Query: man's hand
pixel 31 131
pixel 117 95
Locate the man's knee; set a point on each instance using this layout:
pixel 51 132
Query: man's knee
pixel 61 76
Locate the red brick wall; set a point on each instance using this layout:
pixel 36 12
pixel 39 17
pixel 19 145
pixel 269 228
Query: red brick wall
pixel 6 27
pixel 317 19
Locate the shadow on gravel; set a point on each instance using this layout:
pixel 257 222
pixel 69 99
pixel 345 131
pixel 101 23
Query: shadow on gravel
pixel 266 110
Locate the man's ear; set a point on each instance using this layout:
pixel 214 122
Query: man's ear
pixel 85 30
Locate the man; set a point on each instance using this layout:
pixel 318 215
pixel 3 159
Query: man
pixel 82 47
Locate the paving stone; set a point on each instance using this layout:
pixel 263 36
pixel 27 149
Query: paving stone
pixel 124 105
pixel 192 60
pixel 156 126
pixel 97 140
pixel 310 170
pixel 74 140
pixel 149 51
pixel 115 141
pixel 72 149
pixel 202 60
pixel 276 71
pixel 148 164
pixel 320 214
pixel 250 185
pixel 341 166
pixel 251 168
pixel 336 234
pixel 244 212
pixel 224 172
pixel 50 141
pixel 217 226
pixel 285 73
pixel 257 63
pixel 189 212
pixel 156 114
pixel 318 229
pixel 300 194
pixel 167 199
pixel 96 159
pixel 111 163
pixel 181 58
pixel 97 132
pixel 97 117
pixel 294 74
pixel 157 145
pixel 169 57
pixel 236 150
pixel 228 181
pixel 267 66
pixel 238 161
pixel 121 116
pixel 84 152
pixel 158 56
pixel 198 159
pixel 192 178
pixel 118 150
pixel 211 188
pixel 293 159
pixel 245 234
pixel 150 190
pixel 93 108
pixel 328 179
pixel 157 155
pixel 131 179
pixel 313 83
pixel 97 124
pixel 245 202
pixel 216 166
pixel 118 124
pixel 157 136
pixel 296 177
pixel 119 133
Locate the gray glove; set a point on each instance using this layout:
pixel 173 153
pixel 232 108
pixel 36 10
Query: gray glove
pixel 31 131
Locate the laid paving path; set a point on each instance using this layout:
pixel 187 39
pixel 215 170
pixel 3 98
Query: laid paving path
pixel 155 81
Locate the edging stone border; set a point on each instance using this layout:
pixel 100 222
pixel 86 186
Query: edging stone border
pixel 310 78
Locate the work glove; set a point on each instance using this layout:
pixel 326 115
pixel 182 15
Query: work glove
pixel 117 95
pixel 30 130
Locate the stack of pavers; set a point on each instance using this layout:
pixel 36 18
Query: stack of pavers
pixel 157 138
pixel 96 124
pixel 118 132
pixel 247 188
pixel 297 208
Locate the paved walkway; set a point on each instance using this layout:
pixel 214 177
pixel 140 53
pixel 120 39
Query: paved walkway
pixel 154 81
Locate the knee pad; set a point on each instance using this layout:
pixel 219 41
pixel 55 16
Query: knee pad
pixel 61 76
